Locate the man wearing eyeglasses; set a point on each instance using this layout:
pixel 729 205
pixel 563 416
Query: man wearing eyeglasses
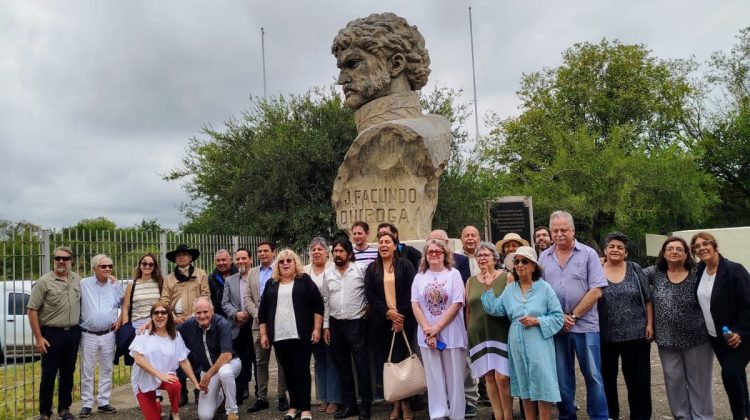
pixel 100 299
pixel 54 311
pixel 575 273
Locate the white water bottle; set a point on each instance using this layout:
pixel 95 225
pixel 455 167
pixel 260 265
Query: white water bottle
pixel 727 333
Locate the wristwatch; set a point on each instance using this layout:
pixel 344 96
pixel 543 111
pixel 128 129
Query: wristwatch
pixel 574 316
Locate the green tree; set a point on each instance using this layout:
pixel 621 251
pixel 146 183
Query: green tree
pixel 724 148
pixel 270 172
pixel 605 136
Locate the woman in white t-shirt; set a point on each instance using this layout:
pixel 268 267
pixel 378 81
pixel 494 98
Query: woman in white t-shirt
pixel 437 296
pixel 157 353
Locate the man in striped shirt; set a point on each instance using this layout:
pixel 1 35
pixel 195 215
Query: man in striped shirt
pixel 364 254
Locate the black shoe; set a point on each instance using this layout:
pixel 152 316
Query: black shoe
pixel 345 411
pixel 106 409
pixel 283 403
pixel 364 410
pixel 66 415
pixel 296 415
pixel 258 406
pixel 183 397
pixel 85 412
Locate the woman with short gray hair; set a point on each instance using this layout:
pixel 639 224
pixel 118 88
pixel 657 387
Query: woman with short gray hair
pixel 488 335
pixel 327 381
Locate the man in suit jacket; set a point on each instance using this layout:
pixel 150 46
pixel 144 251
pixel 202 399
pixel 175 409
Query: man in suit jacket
pixel 240 319
pixel 258 277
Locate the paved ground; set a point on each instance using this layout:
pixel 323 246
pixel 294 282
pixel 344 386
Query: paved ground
pixel 123 399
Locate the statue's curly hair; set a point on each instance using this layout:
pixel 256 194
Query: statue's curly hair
pixel 383 35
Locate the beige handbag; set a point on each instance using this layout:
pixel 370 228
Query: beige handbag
pixel 404 379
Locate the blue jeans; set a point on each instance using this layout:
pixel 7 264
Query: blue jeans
pixel 586 347
pixel 326 375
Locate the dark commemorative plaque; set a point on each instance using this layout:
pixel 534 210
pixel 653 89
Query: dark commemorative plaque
pixel 510 214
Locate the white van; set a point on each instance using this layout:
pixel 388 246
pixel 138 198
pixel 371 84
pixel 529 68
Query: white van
pixel 16 339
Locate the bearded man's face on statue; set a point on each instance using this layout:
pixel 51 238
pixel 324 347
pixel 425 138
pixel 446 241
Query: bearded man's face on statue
pixel 364 76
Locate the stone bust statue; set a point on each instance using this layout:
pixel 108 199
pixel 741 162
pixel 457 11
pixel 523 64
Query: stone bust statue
pixel 391 171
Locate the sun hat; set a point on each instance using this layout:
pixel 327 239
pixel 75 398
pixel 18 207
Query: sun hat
pixel 524 251
pixel 510 237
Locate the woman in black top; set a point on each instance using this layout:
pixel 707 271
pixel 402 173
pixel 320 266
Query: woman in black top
pixel 626 320
pixel 680 332
pixel 388 286
pixel 724 296
pixel 291 316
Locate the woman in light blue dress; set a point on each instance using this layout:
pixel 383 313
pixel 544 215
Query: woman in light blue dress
pixel 536 316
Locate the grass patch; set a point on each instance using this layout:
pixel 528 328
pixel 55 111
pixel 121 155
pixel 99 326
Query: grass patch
pixel 19 387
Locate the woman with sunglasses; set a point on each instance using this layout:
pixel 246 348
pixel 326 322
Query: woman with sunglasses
pixel 536 316
pixel 680 332
pixel 291 317
pixel 157 353
pixel 437 300
pixel 724 297
pixel 488 335
pixel 142 292
pixel 388 283
pixel 140 295
pixel 626 319
pixel 326 375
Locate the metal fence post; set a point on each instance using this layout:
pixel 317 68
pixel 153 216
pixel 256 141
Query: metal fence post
pixel 163 253
pixel 45 252
pixel 235 243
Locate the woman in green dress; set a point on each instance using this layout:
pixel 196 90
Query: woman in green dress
pixel 488 335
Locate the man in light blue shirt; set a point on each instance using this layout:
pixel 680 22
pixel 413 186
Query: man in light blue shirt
pixel 100 299
pixel 575 273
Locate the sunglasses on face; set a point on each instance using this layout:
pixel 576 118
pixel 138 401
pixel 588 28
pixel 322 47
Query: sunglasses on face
pixel 106 266
pixel 147 264
pixel 61 258
pixel 522 261
pixel 286 261
pixel 434 252
pixel 160 312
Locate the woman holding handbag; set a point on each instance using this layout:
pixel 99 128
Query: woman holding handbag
pixel 388 283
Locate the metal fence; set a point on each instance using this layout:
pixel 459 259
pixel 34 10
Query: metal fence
pixel 26 255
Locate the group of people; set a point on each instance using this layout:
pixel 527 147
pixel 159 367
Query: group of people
pixel 507 315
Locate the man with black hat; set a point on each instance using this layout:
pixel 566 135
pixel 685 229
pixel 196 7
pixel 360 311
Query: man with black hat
pixel 182 287
pixel 184 284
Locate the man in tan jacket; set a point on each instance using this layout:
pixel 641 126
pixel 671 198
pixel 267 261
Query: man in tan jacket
pixel 184 284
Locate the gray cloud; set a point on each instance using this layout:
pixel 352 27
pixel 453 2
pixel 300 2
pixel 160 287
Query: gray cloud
pixel 99 98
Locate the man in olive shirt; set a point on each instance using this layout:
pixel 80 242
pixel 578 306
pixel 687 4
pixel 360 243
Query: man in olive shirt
pixel 54 312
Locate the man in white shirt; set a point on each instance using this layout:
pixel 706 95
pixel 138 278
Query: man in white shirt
pixel 364 254
pixel 345 328
pixel 100 299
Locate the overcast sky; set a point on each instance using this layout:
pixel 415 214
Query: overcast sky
pixel 99 98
